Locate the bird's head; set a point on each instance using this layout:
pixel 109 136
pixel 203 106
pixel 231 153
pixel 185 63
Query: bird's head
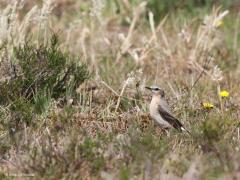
pixel 156 90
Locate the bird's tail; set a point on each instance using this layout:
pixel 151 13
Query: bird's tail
pixel 185 130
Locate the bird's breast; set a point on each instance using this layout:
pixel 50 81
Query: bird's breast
pixel 153 108
pixel 154 113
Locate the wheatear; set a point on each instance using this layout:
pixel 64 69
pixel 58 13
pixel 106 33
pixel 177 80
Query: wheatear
pixel 160 111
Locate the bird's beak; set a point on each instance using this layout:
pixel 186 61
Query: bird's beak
pixel 148 88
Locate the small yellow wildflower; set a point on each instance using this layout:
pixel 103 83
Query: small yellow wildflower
pixel 224 93
pixel 207 105
pixel 218 23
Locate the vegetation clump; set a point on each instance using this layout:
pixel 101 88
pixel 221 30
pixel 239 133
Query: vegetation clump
pixel 44 69
pixel 39 74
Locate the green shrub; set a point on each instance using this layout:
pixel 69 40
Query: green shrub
pixel 95 159
pixel 124 173
pixel 21 110
pixel 42 69
pixel 212 130
pixel 39 74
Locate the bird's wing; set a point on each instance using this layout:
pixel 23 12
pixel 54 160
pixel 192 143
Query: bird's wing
pixel 170 119
pixel 164 105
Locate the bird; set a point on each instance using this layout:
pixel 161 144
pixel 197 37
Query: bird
pixel 160 111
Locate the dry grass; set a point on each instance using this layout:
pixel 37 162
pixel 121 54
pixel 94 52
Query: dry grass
pixel 105 131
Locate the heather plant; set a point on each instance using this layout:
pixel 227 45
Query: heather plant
pixel 38 76
pixel 43 69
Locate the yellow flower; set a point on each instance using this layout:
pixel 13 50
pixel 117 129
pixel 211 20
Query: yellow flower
pixel 208 105
pixel 218 23
pixel 224 93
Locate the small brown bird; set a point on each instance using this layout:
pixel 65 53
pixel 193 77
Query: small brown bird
pixel 160 111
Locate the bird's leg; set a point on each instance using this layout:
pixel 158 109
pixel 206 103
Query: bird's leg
pixel 167 132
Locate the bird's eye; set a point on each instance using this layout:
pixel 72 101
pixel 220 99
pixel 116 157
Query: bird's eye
pixel 156 89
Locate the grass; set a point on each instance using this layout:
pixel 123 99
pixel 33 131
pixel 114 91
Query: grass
pixel 72 98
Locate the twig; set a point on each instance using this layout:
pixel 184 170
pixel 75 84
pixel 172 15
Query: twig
pixel 238 133
pixel 119 97
pixel 111 89
pixel 127 41
pixel 207 61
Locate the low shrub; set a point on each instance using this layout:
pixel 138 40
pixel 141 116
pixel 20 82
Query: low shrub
pixel 39 74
